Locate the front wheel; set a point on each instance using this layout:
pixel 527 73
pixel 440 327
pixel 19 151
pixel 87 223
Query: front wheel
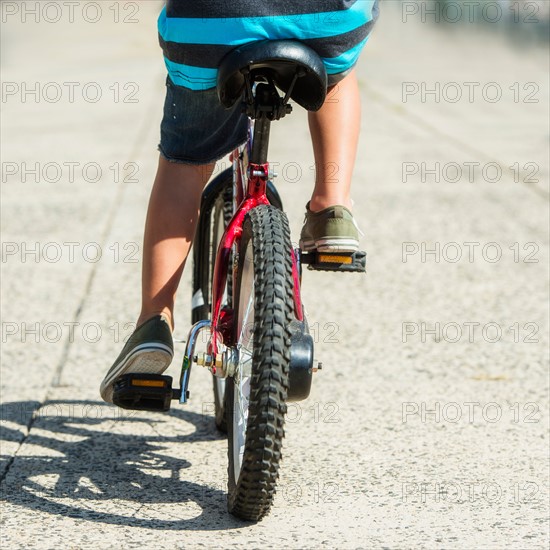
pixel 257 393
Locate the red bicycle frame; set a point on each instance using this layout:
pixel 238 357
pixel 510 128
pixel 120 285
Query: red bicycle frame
pixel 256 177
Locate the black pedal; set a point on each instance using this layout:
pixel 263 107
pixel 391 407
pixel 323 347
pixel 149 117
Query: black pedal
pixel 335 261
pixel 143 392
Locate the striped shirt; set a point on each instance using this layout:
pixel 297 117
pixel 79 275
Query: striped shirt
pixel 196 34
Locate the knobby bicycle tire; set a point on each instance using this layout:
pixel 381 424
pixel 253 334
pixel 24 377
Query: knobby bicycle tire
pixel 265 252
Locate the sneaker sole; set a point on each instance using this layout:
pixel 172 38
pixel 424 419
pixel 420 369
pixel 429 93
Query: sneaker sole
pixel 330 245
pixel 150 359
pixel 337 245
pixel 306 246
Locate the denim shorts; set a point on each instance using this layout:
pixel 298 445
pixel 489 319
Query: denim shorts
pixel 196 128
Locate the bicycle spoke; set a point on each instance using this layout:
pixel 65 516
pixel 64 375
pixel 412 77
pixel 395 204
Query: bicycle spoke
pixel 246 315
pixel 243 408
pixel 243 372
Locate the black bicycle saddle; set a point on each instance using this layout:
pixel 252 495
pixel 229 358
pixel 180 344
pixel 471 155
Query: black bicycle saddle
pixel 278 60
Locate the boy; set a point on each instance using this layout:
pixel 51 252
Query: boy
pixel 196 131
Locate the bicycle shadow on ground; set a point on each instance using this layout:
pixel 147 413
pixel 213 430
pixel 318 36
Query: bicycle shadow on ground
pixel 80 461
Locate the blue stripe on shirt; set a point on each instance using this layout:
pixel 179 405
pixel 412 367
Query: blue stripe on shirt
pixel 247 29
pixel 194 78
pixel 344 62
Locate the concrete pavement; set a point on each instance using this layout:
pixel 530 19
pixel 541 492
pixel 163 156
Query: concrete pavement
pixel 427 428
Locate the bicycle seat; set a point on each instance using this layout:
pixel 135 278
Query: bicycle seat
pixel 278 59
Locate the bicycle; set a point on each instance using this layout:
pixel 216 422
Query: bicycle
pixel 246 282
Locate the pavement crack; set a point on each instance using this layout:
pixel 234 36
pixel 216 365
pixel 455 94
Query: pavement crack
pixel 141 506
pixel 29 424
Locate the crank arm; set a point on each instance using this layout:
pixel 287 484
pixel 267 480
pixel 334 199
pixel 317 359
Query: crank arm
pixel 196 329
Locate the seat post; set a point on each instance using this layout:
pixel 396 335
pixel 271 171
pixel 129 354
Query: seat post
pixel 265 104
pixel 260 142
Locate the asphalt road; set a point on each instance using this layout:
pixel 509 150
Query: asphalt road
pixel 427 428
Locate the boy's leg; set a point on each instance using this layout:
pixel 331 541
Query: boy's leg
pixel 334 133
pixel 172 218
pixel 169 230
pixel 329 224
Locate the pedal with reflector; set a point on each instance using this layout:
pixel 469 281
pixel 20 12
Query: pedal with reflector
pixel 335 261
pixel 144 392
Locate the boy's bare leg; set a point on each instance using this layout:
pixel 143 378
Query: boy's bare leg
pixel 172 218
pixel 334 133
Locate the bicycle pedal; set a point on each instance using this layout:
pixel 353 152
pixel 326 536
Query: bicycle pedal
pixel 144 392
pixel 335 261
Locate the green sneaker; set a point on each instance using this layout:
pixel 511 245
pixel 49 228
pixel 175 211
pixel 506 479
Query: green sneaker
pixel 330 230
pixel 149 350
